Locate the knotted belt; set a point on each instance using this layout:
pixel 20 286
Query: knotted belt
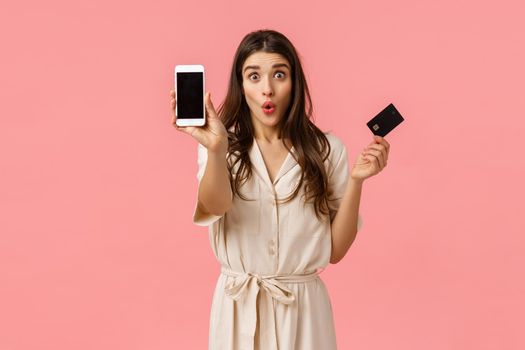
pixel 244 288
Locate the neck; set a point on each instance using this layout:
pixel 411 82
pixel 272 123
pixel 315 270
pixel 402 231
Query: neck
pixel 264 133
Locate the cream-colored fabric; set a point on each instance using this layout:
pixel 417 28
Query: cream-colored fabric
pixel 269 295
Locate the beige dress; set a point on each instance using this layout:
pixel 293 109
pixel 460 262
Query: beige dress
pixel 269 295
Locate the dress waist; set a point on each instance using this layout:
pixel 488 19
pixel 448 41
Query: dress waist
pixel 292 278
pixel 244 288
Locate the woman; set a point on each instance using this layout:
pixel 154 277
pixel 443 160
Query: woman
pixel 279 201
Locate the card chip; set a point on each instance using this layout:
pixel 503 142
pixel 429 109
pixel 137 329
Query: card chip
pixel 385 121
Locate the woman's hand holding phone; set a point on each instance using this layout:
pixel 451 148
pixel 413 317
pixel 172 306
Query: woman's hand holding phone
pixel 213 135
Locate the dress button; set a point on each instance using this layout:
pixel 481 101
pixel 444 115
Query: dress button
pixel 271 244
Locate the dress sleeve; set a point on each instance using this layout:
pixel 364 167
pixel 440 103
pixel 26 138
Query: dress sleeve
pixel 201 216
pixel 338 179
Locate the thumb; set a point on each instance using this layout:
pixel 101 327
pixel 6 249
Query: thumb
pixel 209 106
pixel 375 140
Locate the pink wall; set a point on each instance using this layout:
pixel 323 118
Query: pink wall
pixel 97 248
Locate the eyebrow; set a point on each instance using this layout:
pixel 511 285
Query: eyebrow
pixel 277 65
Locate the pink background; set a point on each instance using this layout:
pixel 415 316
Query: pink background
pixel 97 189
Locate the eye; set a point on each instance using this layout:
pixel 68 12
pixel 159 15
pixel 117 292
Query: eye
pixel 278 72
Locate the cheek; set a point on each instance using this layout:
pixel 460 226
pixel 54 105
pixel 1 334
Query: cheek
pixel 286 92
pixel 247 91
pixel 250 96
pixel 286 89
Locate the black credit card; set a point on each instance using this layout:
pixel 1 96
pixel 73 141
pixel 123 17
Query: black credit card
pixel 385 121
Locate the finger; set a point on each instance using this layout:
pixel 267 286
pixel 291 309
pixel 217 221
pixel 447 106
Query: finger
pixel 366 158
pixel 381 140
pixel 374 160
pixel 378 139
pixel 173 96
pixel 197 132
pixel 380 158
pixel 387 145
pixel 377 155
pixel 209 106
pixel 173 102
pixel 374 140
pixel 381 148
pixel 185 129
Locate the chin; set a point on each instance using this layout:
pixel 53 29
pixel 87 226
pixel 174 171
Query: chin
pixel 269 121
pixel 272 122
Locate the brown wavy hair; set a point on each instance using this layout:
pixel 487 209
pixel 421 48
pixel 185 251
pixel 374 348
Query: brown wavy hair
pixel 310 143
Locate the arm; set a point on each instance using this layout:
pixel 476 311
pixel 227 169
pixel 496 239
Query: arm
pixel 215 193
pixel 369 163
pixel 344 224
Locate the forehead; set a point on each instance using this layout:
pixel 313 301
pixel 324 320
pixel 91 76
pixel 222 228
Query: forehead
pixel 264 60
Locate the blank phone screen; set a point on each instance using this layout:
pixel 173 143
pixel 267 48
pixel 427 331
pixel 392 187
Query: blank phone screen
pixel 190 95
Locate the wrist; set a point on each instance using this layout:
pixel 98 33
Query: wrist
pixel 218 152
pixel 356 181
pixel 220 149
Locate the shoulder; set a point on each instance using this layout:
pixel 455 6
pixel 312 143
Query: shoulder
pixel 338 157
pixel 337 147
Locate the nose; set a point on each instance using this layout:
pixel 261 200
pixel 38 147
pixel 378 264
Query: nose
pixel 267 87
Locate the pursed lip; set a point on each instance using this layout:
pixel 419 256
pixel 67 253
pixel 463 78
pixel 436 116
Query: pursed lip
pixel 268 104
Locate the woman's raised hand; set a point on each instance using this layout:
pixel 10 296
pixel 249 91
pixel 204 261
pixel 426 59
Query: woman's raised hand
pixel 213 135
pixel 372 160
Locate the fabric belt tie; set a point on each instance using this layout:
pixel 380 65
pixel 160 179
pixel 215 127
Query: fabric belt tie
pixel 244 288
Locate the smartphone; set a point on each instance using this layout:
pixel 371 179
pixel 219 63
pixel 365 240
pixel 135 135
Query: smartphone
pixel 385 121
pixel 189 90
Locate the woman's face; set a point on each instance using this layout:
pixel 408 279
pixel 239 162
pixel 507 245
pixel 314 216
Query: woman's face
pixel 267 77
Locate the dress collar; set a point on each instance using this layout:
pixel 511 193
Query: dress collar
pixel 260 167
